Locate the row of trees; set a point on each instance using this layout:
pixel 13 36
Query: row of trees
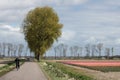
pixel 89 50
pixel 13 50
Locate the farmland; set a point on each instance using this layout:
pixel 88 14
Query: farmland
pixel 93 62
pixel 100 65
pixel 100 72
pixel 58 71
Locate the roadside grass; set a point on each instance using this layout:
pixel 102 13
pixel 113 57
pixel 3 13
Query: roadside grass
pixel 42 68
pixel 8 67
pixel 51 72
pixel 58 71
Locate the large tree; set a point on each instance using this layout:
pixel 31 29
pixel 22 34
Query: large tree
pixel 41 28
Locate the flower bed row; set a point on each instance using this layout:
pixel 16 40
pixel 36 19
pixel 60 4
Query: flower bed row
pixel 93 63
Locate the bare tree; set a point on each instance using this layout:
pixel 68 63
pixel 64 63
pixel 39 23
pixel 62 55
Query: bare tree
pixel 12 50
pixel 75 49
pixel 9 49
pixel 64 50
pixel 26 50
pixel 21 46
pixel 0 50
pixel 4 47
pixel 15 50
pixel 55 49
pixel 71 51
pixel 112 50
pixel 60 48
pixel 80 52
pixel 94 50
pixel 87 48
pixel 99 47
pixel 107 52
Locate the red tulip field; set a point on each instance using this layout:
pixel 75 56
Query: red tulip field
pixel 101 65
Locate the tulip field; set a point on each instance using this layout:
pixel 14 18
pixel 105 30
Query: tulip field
pixel 100 65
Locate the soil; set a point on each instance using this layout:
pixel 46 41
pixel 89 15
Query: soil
pixel 98 75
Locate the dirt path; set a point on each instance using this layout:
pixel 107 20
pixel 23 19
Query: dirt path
pixel 98 75
pixel 28 71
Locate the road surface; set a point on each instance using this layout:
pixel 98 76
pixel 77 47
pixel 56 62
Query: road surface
pixel 28 71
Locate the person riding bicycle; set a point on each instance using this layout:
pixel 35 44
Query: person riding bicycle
pixel 17 61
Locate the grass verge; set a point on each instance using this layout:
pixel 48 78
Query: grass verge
pixel 8 67
pixel 41 66
pixel 58 71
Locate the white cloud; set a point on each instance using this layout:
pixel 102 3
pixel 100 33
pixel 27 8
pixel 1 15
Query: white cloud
pixel 12 37
pixel 68 35
pixel 9 28
pixel 14 11
pixel 91 40
pixel 19 4
pixel 11 34
pixel 69 2
pixel 117 41
pixel 15 4
pixel 112 3
pixel 61 2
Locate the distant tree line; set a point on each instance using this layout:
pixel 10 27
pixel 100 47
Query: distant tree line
pixel 88 51
pixel 13 50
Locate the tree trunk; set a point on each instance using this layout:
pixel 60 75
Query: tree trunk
pixel 37 56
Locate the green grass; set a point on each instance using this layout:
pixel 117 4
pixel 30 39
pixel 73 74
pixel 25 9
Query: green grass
pixel 52 73
pixel 58 71
pixel 42 68
pixel 8 67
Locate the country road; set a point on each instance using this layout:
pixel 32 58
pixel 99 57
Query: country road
pixel 28 71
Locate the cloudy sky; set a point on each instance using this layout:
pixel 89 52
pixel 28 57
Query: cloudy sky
pixel 85 21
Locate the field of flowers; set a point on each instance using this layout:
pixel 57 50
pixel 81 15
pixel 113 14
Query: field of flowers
pixel 101 65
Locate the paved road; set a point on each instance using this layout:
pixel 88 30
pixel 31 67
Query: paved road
pixel 28 71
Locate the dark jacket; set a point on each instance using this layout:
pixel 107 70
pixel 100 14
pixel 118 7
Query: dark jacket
pixel 17 61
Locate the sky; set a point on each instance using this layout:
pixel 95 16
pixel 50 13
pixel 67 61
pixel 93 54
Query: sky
pixel 84 21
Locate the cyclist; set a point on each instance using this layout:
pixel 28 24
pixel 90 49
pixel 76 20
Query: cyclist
pixel 17 61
